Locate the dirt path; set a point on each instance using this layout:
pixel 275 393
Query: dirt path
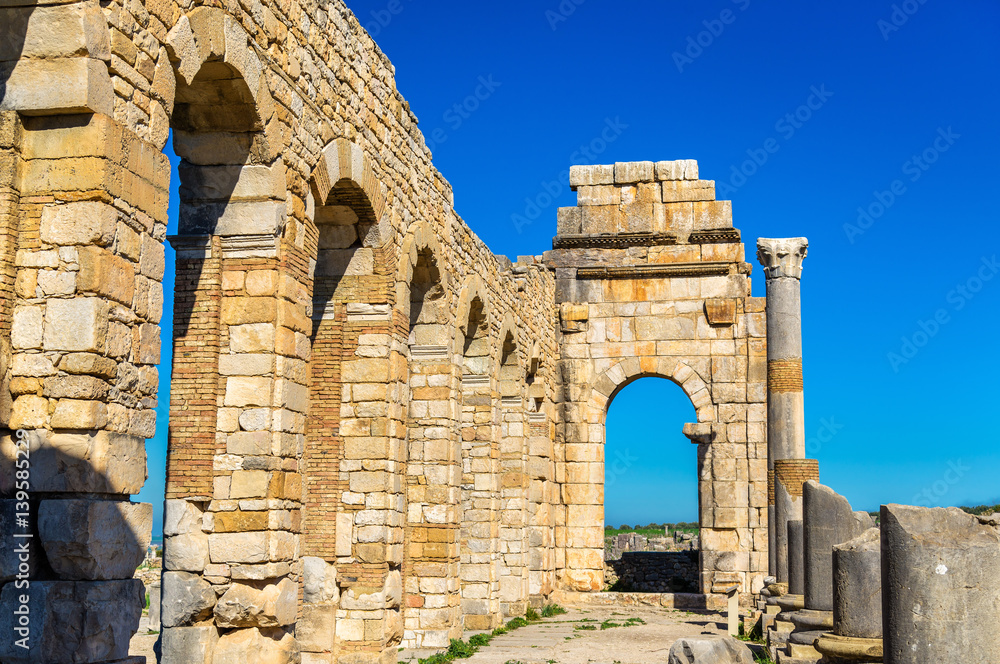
pixel 566 639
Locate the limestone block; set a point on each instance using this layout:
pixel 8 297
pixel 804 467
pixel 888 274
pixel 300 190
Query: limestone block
pixel 238 547
pixel 188 645
pixel 248 391
pixel 242 605
pixel 633 171
pixel 79 414
pixel 251 338
pixel 709 650
pixel 57 86
pixel 107 275
pixel 96 462
pixel 65 30
pixel 269 646
pixel 26 329
pixel 316 628
pixel 232 182
pixel 93 540
pixel 591 175
pixel 319 581
pixel 187 598
pixel 80 324
pixel 79 223
pixel 29 411
pixel 70 619
pixel 154 606
pixel 569 221
pixel 187 552
pixel 180 517
pixel 233 219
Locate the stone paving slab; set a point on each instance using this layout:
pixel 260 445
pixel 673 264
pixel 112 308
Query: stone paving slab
pixel 557 640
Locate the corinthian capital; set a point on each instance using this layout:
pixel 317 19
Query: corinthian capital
pixel 782 257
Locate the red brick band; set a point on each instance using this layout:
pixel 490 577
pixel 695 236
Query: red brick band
pixel 784 375
pixel 770 487
pixel 793 473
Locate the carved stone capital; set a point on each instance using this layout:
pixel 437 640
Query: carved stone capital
pixel 782 257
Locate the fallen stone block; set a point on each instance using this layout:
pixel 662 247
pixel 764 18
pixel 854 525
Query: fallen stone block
pixel 709 650
pixel 94 540
pixel 187 598
pixel 71 621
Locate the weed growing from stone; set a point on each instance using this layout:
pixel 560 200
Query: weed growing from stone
pixel 550 610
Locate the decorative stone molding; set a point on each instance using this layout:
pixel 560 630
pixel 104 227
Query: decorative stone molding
pixel 357 311
pixel 428 352
pixel 715 236
pixel 250 246
pixel 782 257
pixel 191 247
pixel 613 241
pixel 647 271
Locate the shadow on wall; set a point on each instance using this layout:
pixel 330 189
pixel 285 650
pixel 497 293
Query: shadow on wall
pixel 12 38
pixel 71 543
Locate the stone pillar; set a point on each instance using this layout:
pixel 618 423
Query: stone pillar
pixel 940 584
pixel 790 475
pixel 857 601
pixel 796 560
pixel 782 261
pixel 827 521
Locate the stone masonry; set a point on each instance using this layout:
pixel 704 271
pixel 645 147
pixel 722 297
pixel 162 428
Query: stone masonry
pixel 381 433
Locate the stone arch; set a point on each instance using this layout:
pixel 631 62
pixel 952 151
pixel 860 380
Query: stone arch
pixel 343 162
pixel 616 378
pixel 209 34
pixel 472 290
pixel 420 247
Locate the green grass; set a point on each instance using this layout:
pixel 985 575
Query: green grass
pixel 459 649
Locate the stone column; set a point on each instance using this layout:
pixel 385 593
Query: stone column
pixel 827 521
pixel 790 475
pixel 940 584
pixel 796 571
pixel 782 261
pixel 857 601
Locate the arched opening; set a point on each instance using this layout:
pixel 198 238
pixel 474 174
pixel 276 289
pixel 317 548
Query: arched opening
pixel 480 528
pixel 651 490
pixel 433 469
pixel 513 483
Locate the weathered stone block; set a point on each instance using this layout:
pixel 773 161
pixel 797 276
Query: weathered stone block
pixel 97 462
pixel 187 552
pixel 92 540
pixel 188 645
pixel 57 86
pixel 243 605
pixel 269 646
pixel 238 547
pixel 709 650
pixel 79 223
pixel 186 599
pixel 80 324
pixel 107 275
pixel 72 620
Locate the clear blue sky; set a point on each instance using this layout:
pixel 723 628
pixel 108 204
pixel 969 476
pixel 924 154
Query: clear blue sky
pixel 714 81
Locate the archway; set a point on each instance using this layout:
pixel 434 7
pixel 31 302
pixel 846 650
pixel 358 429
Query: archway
pixel 651 489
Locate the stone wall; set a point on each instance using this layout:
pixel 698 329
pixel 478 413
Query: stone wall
pixel 381 433
pixel 656 572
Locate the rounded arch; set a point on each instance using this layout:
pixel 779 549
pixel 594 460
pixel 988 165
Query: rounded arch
pixel 209 34
pixel 616 378
pixel 472 290
pixel 419 240
pixel 342 162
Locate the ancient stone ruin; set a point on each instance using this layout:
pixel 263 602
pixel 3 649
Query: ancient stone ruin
pixel 382 434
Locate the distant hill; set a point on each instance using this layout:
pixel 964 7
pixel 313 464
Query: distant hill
pixel 979 510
